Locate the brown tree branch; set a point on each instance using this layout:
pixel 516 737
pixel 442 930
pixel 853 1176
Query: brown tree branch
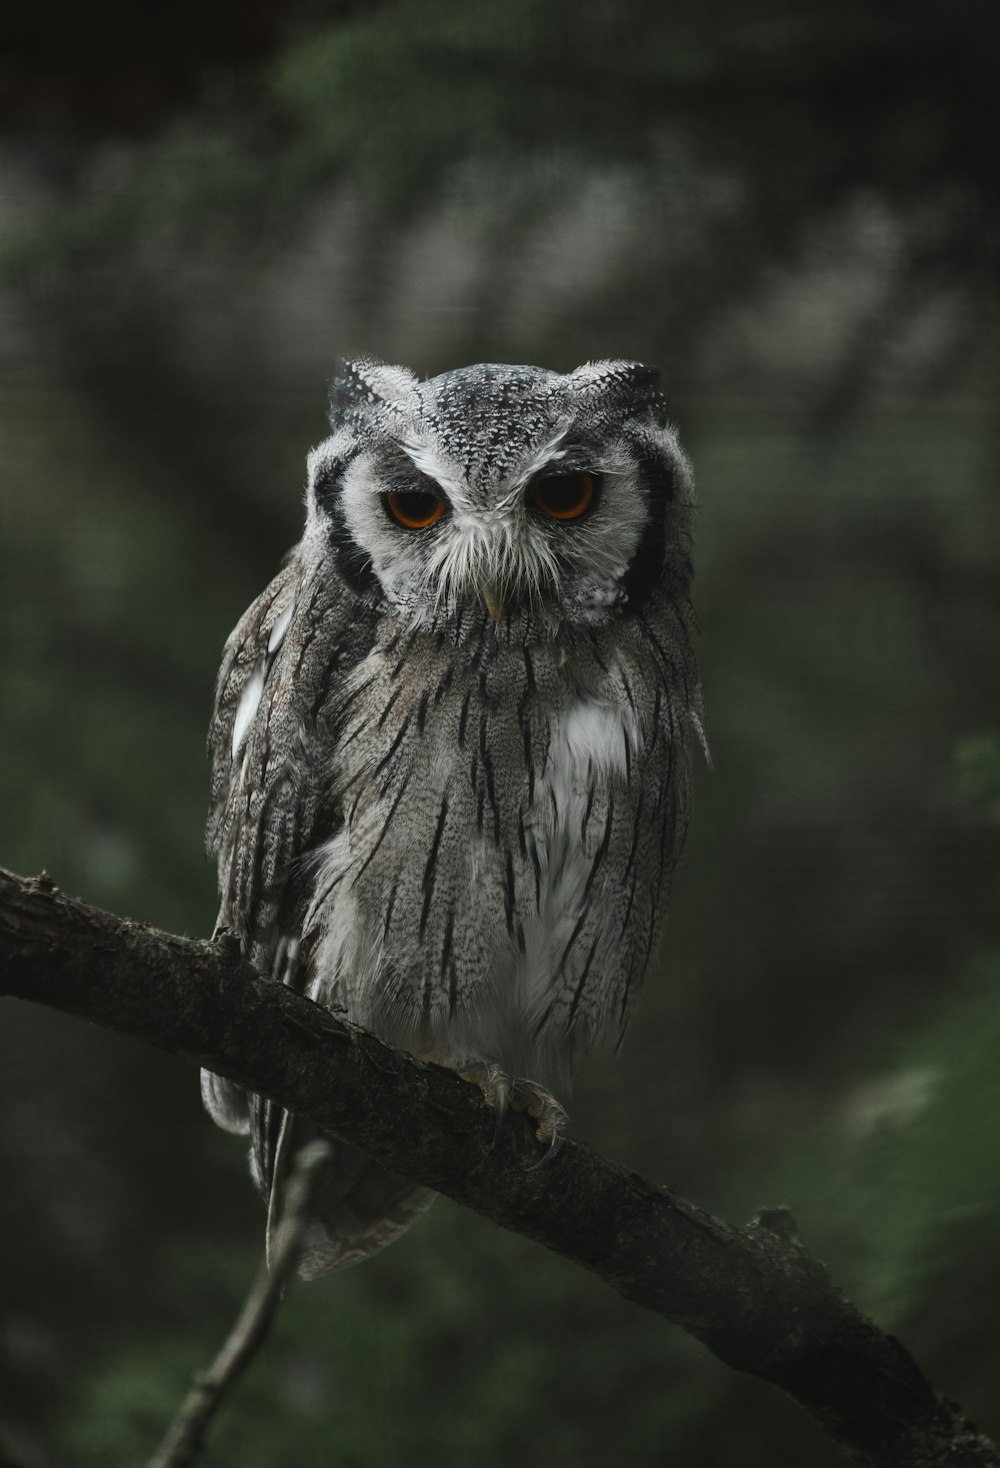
pixel 753 1295
pixel 184 1438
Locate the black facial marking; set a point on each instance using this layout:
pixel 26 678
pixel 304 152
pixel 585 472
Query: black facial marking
pixel 659 482
pixel 353 562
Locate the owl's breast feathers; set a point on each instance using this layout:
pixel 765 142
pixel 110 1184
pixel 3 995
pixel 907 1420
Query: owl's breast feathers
pixel 510 816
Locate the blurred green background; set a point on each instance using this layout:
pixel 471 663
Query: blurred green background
pixel 793 210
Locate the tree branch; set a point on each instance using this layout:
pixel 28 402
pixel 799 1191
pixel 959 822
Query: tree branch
pixel 753 1295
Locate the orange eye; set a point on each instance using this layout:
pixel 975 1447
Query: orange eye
pixel 414 509
pixel 563 496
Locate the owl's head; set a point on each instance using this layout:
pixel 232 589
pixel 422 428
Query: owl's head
pixel 508 492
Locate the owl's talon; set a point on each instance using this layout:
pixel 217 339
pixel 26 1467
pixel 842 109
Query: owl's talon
pixel 502 1091
pixel 552 1120
pixel 496 1093
pixel 550 1154
pixel 495 1084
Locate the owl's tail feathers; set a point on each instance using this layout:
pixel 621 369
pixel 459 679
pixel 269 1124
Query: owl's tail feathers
pixel 358 1208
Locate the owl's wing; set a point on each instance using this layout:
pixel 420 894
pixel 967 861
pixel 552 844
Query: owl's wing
pixel 272 729
pixel 262 748
pixel 259 800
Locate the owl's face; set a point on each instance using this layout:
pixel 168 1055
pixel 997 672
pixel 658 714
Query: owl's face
pixel 508 492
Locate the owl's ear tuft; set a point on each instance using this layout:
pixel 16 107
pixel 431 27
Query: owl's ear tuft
pixel 630 385
pixel 363 382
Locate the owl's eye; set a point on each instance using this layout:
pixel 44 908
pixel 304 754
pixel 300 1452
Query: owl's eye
pixel 414 509
pixel 563 496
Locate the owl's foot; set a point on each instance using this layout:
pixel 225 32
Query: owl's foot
pixel 502 1091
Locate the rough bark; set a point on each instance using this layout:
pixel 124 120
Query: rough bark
pixel 753 1295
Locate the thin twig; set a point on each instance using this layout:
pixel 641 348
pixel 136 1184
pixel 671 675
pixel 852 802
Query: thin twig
pixel 185 1436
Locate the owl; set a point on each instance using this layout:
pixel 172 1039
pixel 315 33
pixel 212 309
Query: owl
pixel 451 741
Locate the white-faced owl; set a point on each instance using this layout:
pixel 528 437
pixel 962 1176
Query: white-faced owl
pixel 450 745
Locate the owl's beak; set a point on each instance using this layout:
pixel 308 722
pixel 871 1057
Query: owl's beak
pixel 493 600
